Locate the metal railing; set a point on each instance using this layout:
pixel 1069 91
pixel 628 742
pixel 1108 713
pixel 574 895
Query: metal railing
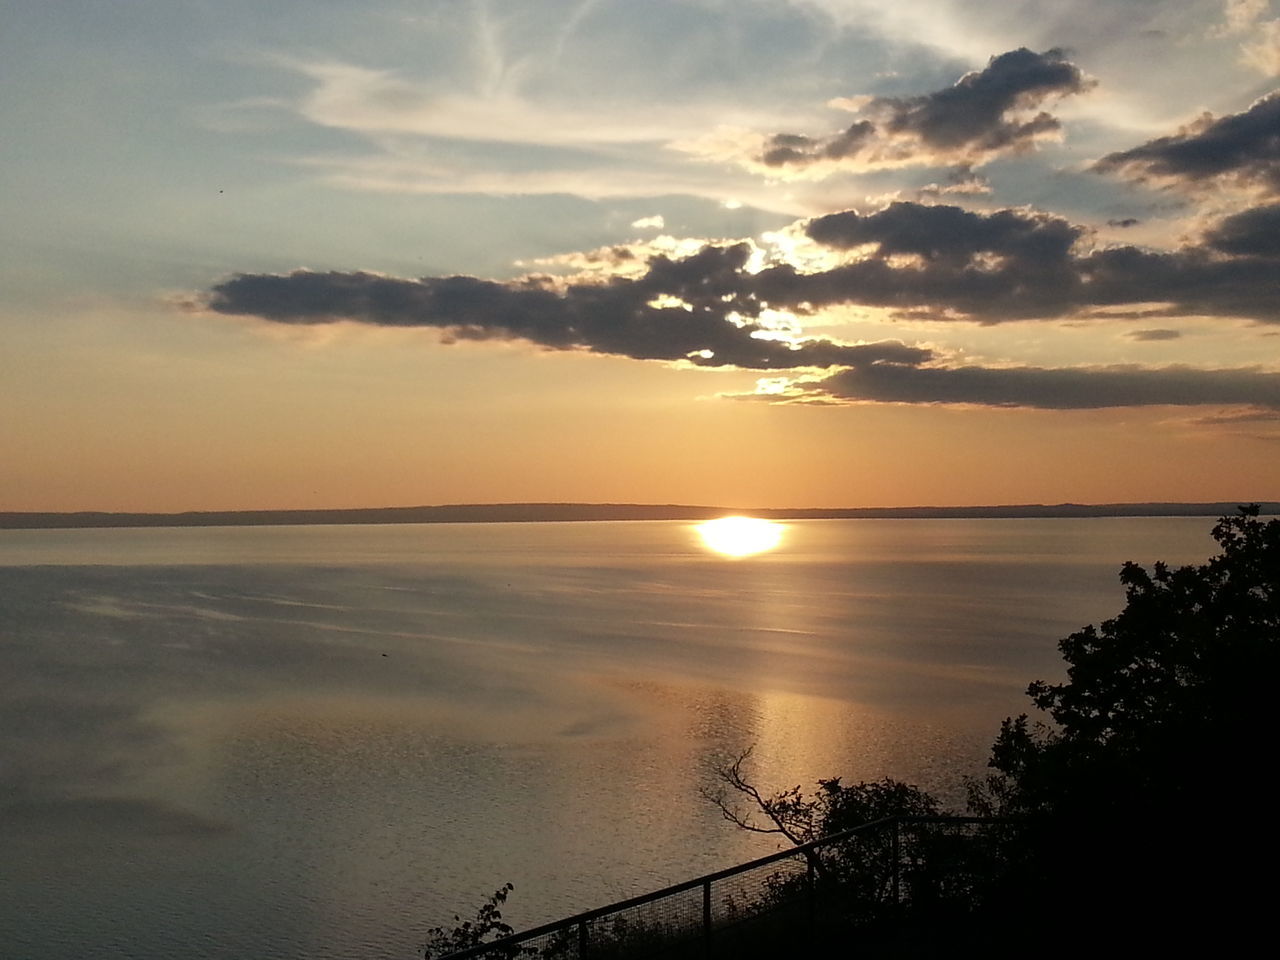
pixel 858 876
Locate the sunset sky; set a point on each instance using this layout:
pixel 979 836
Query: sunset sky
pixel 313 253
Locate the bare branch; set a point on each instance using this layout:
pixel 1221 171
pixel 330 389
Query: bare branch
pixel 791 815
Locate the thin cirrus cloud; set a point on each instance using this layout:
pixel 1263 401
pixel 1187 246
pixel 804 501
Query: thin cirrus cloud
pixel 379 103
pixel 985 114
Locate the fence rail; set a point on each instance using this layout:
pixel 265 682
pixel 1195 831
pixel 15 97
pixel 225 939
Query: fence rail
pixel 852 877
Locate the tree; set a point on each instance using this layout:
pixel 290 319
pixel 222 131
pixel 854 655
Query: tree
pixel 862 864
pixel 1185 670
pixel 800 819
pixel 1155 741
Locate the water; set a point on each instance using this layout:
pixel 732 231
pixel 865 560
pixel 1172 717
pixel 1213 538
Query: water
pixel 320 741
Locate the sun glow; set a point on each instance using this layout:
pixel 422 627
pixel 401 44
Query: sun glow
pixel 740 536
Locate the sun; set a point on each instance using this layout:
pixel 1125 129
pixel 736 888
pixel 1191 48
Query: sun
pixel 740 536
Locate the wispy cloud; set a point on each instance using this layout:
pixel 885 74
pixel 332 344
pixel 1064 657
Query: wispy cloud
pixel 372 101
pixel 1259 34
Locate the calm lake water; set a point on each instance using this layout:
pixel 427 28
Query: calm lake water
pixel 289 742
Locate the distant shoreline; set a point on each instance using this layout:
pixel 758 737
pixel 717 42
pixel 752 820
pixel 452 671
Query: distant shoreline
pixel 580 512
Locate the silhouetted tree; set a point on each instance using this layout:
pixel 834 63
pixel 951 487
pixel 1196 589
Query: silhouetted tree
pixel 1137 795
pixel 832 808
pixel 862 865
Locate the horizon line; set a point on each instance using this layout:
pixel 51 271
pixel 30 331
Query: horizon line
pixel 576 511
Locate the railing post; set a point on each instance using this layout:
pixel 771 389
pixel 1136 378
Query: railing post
pixel 582 940
pixel 706 917
pixel 897 883
pixel 811 895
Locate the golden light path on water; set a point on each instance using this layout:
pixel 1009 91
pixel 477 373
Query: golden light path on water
pixel 740 536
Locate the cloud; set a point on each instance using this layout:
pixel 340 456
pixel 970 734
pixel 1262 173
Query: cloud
pixel 987 113
pixel 402 168
pixel 1241 14
pixel 383 102
pixel 1067 388
pixel 712 305
pixel 1244 416
pixel 1241 149
pixel 947 233
pixel 1262 52
pixel 961 180
pixel 1261 47
pixel 1254 232
pixel 1146 336
pixel 941 262
pixel 692 309
pixel 649 223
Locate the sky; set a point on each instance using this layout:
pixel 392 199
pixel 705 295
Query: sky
pixel 763 253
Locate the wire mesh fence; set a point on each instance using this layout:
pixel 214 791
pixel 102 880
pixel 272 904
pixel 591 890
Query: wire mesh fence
pixel 858 877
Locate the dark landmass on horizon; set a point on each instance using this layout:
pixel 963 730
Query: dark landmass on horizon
pixel 571 512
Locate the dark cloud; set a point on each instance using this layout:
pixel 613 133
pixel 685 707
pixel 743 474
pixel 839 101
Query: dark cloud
pixel 975 111
pixel 1191 281
pixel 616 318
pixel 1080 388
pixel 795 148
pixel 1151 335
pixel 1240 147
pixel 1253 233
pixel 985 114
pixel 986 266
pixel 1015 265
pixel 919 261
pixel 947 233
pixel 1125 222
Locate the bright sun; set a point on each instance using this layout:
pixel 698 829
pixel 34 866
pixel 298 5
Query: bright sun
pixel 740 536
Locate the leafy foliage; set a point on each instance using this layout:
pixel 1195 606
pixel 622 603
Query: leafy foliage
pixel 487 925
pixel 843 808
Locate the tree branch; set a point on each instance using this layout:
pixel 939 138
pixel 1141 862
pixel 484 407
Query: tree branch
pixel 791 816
